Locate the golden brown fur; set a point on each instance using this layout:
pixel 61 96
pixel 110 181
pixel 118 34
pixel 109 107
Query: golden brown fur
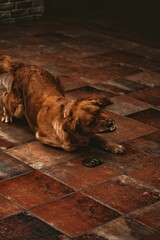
pixel 57 120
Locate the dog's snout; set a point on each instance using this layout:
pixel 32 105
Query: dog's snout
pixel 110 123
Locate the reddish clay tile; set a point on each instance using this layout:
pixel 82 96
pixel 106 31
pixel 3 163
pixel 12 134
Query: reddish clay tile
pixel 94 75
pixel 32 189
pixel 7 208
pixel 149 143
pixel 133 59
pixel 70 83
pixel 149 174
pixel 148 95
pixel 104 86
pixel 149 116
pixel 75 214
pixel 15 134
pixel 132 159
pixel 120 228
pixel 127 129
pixel 124 105
pixel 97 61
pixel 74 174
pixel 24 226
pixel 121 69
pixel 149 216
pixel 105 63
pixel 150 79
pixel 89 91
pixel 123 194
pixel 11 167
pixel 38 155
pixel 125 84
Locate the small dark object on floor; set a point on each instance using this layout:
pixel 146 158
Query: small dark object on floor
pixel 92 162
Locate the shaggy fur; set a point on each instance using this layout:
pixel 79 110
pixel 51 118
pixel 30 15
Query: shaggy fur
pixel 57 120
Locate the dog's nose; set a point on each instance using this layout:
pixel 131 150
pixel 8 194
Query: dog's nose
pixel 110 123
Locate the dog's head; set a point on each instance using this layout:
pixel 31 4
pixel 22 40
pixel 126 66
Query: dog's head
pixel 86 117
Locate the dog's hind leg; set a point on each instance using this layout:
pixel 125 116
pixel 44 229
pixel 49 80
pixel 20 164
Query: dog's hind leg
pixel 12 107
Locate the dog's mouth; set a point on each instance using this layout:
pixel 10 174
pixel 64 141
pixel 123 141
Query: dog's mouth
pixel 107 127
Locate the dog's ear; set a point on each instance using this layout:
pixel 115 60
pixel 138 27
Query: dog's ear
pixel 68 110
pixel 70 120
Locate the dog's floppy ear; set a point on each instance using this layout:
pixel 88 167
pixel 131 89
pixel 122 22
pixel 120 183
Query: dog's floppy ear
pixel 70 121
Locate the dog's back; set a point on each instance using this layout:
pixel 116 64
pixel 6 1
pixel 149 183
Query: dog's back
pixel 30 84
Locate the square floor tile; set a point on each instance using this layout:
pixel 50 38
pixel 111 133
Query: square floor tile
pixel 149 143
pixel 11 167
pixel 123 193
pixel 32 189
pixel 149 174
pixel 149 95
pixel 127 129
pixel 74 174
pixel 39 155
pixel 149 116
pixel 75 214
pixel 149 216
pixel 24 226
pixel 150 79
pixel 7 208
pixel 120 228
pixel 124 105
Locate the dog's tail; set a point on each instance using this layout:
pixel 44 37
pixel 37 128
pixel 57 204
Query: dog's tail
pixel 7 69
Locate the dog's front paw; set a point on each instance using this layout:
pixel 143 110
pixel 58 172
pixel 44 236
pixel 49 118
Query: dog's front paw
pixel 6 119
pixel 118 149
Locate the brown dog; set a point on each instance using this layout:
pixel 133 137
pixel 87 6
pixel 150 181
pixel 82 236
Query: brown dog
pixel 57 120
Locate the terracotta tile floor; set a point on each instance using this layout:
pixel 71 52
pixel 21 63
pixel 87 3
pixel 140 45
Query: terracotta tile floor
pixel 46 193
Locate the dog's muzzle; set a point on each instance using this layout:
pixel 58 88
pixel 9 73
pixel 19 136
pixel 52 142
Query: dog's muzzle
pixel 107 127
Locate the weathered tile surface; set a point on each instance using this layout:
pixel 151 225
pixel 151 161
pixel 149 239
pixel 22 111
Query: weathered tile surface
pixel 74 214
pixel 125 105
pixel 123 193
pixel 38 155
pixel 149 216
pixel 149 116
pixel 95 53
pixel 11 167
pixel 74 174
pixel 150 79
pixel 149 95
pixel 121 228
pixel 25 226
pixel 149 174
pixel 32 189
pixel 149 143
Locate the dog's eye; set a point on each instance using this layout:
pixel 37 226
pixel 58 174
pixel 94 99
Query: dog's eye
pixel 89 123
pixel 96 112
